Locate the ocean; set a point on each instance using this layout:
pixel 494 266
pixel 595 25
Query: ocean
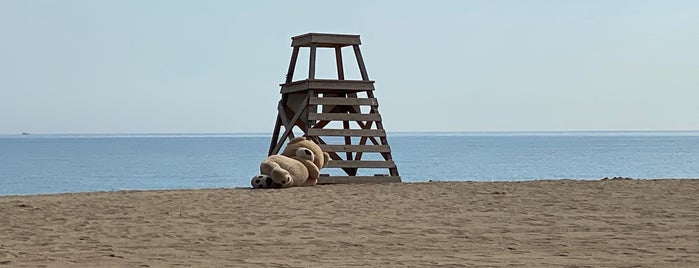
pixel 44 164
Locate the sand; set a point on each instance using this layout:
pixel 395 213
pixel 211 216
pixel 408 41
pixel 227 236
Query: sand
pixel 567 223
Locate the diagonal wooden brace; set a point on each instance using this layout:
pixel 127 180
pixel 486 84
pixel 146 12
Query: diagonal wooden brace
pixel 288 126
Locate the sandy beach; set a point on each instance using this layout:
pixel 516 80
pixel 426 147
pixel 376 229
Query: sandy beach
pixel 566 223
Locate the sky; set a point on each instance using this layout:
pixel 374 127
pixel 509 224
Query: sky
pixel 70 66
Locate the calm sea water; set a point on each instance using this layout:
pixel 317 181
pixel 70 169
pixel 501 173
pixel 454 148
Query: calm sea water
pixel 39 164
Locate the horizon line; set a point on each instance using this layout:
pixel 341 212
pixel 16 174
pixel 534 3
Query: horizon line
pixel 389 132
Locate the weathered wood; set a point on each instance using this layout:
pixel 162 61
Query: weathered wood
pixel 275 134
pixel 312 63
pixel 292 65
pixel 344 101
pixel 338 62
pixel 379 125
pixel 348 141
pixel 335 156
pixel 288 128
pixel 344 117
pixel 325 40
pixel 346 132
pixel 327 85
pixel 282 113
pixel 354 108
pixel 293 101
pixel 361 164
pixel 321 124
pixel 368 126
pixel 355 148
pixel 340 101
pixel 359 155
pixel 308 123
pixel 358 179
pixel 360 61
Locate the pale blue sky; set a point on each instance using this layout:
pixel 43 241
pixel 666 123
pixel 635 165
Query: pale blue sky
pixel 214 66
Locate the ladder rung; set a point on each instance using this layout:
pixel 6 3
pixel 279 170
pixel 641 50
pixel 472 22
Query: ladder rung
pixel 344 117
pixel 343 101
pixel 355 148
pixel 347 132
pixel 361 164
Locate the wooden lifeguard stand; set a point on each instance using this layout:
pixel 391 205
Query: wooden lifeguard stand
pixel 314 106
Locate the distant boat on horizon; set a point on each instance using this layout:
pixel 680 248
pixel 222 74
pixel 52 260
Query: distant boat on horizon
pixel 25 133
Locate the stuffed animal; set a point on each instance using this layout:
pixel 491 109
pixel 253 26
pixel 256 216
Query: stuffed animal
pixel 264 181
pixel 298 165
pixel 321 158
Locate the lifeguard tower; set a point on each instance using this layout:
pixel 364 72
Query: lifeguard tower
pixel 341 115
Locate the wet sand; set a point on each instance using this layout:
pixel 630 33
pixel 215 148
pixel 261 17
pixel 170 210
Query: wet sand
pixel 566 223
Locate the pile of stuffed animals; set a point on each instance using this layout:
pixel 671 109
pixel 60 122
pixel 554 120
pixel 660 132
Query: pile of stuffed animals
pixel 298 165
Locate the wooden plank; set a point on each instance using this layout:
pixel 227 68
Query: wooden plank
pixel 281 110
pixel 310 108
pixel 358 179
pixel 347 132
pixel 361 164
pixel 327 85
pixel 343 101
pixel 275 135
pixel 312 63
pixel 288 127
pixel 292 65
pixel 355 108
pixel 355 148
pixel 344 117
pixel 338 63
pixel 358 155
pixel 360 61
pixel 348 155
pixel 325 40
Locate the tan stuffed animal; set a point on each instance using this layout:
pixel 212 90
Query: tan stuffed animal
pixel 296 166
pixel 321 158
